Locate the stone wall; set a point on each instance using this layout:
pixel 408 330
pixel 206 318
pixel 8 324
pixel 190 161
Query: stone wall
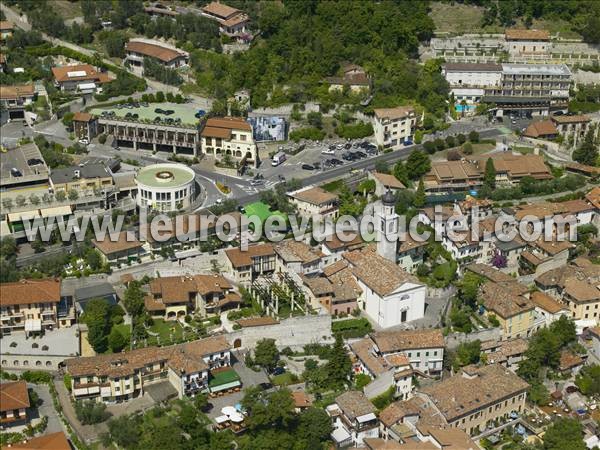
pixel 294 332
pixel 454 339
pixel 32 362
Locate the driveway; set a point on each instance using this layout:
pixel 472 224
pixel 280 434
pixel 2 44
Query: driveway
pixel 45 409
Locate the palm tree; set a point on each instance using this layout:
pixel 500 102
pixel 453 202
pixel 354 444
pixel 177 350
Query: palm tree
pixel 463 103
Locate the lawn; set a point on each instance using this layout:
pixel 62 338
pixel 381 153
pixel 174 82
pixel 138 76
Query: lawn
pixel 284 379
pixel 222 377
pixel 262 211
pixel 166 330
pixel 457 18
pixel 478 149
pixel 333 186
pixel 124 329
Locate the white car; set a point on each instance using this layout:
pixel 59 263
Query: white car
pixel 84 141
pixel 328 151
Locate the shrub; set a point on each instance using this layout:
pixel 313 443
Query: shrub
pixel 440 144
pixel 90 412
pixel 429 147
pixel 351 328
pixel 357 131
pixel 310 133
pixel 467 148
pixel 450 141
pixel 461 139
pixel 36 377
pixel 102 138
pixel 453 155
pixel 67 380
pixel 474 136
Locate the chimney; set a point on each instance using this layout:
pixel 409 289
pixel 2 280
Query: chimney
pixel 77 173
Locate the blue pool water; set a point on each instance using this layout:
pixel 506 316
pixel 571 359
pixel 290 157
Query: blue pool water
pixel 467 108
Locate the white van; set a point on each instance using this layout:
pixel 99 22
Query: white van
pixel 278 158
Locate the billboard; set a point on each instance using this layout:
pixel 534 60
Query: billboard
pixel 268 128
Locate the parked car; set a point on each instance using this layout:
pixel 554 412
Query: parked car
pixel 241 209
pixel 361 154
pixel 336 162
pixel 328 151
pixel 307 167
pixel 278 371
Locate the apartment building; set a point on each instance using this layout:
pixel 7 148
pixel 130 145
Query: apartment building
pixel 314 202
pixel 423 348
pixel 549 308
pixel 122 376
pixel 390 295
pixel 79 79
pixel 232 21
pixel 15 99
pixel 532 88
pixel 473 399
pixel 14 401
pixel 354 419
pixel 446 177
pixel 171 58
pixel 510 305
pixel 572 127
pixel 527 42
pixel 33 306
pixel 508 353
pixel 577 286
pixel 174 297
pixel 247 265
pixel 394 126
pixel 229 137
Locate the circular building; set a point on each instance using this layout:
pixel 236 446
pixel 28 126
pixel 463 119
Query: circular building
pixel 165 187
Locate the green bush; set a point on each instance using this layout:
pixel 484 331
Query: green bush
pixel 357 131
pixel 36 377
pixel 351 328
pixel 310 133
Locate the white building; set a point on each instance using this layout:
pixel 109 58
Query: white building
pixel 297 257
pixel 231 137
pixel 390 295
pixel 354 419
pixel 315 202
pixel 527 42
pixel 423 348
pixel 167 56
pixel 165 187
pixel 468 81
pixel 394 126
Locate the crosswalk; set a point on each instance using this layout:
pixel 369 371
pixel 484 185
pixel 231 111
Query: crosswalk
pixel 254 189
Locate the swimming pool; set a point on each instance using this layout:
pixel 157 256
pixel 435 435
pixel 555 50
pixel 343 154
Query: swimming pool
pixel 467 108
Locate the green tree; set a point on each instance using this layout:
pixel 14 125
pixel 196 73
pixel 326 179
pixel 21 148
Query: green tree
pixel 73 195
pixel 587 153
pixel 401 174
pixel 564 434
pixel 314 429
pixel 266 354
pixel 538 394
pixel 474 136
pixel 420 197
pixel 467 353
pixel 133 299
pixel 367 187
pixel 489 176
pixel 116 340
pixel 417 164
pixel 67 119
pixel 588 380
pixel 339 366
pixel 93 259
pixel 97 318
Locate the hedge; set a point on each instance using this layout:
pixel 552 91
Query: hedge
pixel 351 328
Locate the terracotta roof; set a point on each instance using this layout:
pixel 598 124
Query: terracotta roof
pixel 454 171
pixel 578 118
pixel 295 251
pixel 363 350
pixel 547 303
pixel 400 112
pixel 333 242
pixel 257 322
pixel 460 396
pixel 576 206
pixel 583 168
pixel 553 248
pixel 595 331
pixel 125 241
pixel 398 341
pixel 230 123
pixel 422 408
pixel 517 166
pixel 382 444
pixel 526 35
pixel 506 349
pixel 407 243
pixel 452 438
pixel 156 51
pixel 177 289
pixel 301 399
pixel 154 305
pixel 52 441
pixel 569 360
pixel 185 357
pixel 541 129
pixel 388 180
pixel 594 197
pixel 17 91
pixel 501 301
pixel 235 20
pixel 378 273
pixel 581 291
pixel 220 10
pixel 336 267
pixel 82 117
pixel 354 404
pixel 6 25
pixel 240 258
pixel 30 291
pixel 14 395
pixel 61 74
pixel 314 195
pixel 223 133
